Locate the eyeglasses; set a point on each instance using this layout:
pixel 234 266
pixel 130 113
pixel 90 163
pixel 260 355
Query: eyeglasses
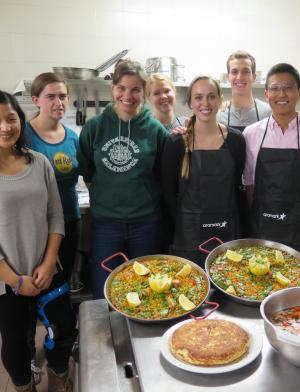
pixel 285 88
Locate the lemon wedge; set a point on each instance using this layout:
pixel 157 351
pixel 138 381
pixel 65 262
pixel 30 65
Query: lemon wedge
pixel 233 256
pixel 231 290
pixel 281 279
pixel 185 270
pixel 279 257
pixel 133 299
pixel 259 266
pixel 185 303
pixel 140 269
pixel 160 283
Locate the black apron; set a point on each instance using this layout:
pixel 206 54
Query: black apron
pixel 240 128
pixel 276 199
pixel 207 205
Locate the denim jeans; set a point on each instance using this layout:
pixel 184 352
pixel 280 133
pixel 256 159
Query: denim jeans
pixel 133 239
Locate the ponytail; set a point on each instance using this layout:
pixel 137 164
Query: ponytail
pixel 185 170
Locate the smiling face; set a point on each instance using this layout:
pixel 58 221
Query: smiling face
pixel 240 76
pixel 10 126
pixel 283 94
pixel 128 95
pixel 162 96
pixel 53 100
pixel 205 100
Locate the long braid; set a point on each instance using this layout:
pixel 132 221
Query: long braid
pixel 185 171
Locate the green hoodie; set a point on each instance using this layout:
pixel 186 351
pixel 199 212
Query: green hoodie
pixel 121 161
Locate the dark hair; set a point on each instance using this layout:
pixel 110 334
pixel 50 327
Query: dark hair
pixel 283 68
pixel 20 146
pixel 42 80
pixel 241 54
pixel 129 67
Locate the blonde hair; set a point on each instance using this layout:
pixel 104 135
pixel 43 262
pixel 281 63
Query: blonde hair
pixel 187 137
pixel 157 77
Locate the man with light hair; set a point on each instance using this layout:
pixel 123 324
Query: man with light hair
pixel 242 109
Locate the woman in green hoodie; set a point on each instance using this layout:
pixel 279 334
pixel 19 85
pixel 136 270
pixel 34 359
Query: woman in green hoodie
pixel 119 158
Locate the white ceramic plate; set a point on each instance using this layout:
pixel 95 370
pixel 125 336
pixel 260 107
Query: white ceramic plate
pixel 255 348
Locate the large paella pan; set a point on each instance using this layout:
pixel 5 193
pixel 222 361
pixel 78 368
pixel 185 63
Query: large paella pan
pixel 248 270
pixel 156 287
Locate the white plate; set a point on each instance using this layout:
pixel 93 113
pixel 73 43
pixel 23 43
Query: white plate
pixel 255 348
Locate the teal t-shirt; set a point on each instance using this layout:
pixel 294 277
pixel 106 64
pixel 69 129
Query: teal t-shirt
pixel 62 157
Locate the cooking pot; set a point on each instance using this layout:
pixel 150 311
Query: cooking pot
pixel 285 343
pixel 244 242
pixel 127 263
pixel 164 65
pixel 87 73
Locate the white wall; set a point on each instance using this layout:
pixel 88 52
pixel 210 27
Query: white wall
pixel 38 34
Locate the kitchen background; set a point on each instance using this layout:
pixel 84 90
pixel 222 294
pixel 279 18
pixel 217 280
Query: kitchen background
pixel 36 35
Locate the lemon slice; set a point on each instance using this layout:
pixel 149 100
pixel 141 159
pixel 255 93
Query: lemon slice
pixel 185 303
pixel 140 269
pixel 160 283
pixel 233 256
pixel 185 270
pixel 133 299
pixel 231 290
pixel 259 266
pixel 281 279
pixel 279 257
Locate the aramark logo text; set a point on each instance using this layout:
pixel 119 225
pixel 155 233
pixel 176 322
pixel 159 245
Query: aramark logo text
pixel 217 224
pixel 275 216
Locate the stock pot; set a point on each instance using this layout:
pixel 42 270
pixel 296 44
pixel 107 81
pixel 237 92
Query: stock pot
pixel 164 65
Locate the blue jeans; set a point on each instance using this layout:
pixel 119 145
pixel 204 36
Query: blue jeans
pixel 133 239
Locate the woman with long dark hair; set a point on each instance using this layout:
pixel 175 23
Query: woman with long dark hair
pixel 31 230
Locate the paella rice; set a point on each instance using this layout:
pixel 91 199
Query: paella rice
pixel 157 305
pixel 241 279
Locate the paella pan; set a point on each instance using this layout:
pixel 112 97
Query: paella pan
pixel 156 287
pixel 248 270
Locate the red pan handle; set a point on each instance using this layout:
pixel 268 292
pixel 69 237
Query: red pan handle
pixel 102 263
pixel 203 250
pixel 215 307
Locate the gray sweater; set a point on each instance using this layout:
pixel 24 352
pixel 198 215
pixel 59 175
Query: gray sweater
pixel 30 209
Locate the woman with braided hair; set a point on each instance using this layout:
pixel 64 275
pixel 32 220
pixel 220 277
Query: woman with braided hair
pixel 202 175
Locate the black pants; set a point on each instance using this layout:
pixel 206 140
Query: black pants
pixel 67 253
pixel 69 246
pixel 14 321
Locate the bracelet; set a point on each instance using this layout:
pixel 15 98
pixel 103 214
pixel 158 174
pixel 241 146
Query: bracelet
pixel 17 288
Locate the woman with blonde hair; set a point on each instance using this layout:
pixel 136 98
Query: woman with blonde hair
pixel 201 174
pixel 161 93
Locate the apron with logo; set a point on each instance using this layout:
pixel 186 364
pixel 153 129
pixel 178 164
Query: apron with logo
pixel 207 204
pixel 276 199
pixel 240 128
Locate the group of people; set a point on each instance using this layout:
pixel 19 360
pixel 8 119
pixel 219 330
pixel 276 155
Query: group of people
pixel 158 182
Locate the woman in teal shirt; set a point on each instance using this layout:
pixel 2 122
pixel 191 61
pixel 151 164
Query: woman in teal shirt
pixel 47 135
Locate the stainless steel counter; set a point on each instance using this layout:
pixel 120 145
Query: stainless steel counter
pixel 268 373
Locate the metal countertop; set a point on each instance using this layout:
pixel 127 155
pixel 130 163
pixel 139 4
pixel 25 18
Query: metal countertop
pixel 269 372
